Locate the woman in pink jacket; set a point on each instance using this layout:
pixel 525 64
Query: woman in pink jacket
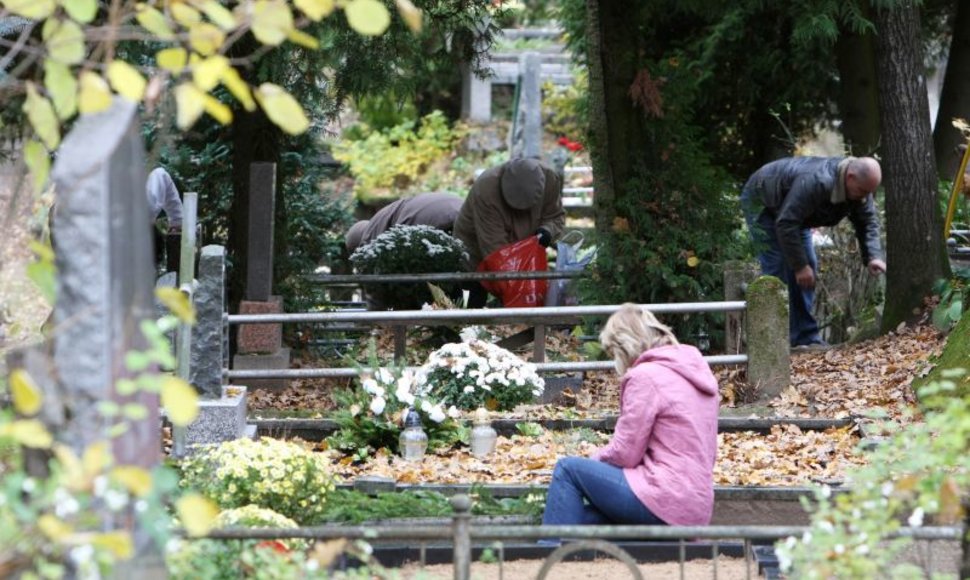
pixel 658 467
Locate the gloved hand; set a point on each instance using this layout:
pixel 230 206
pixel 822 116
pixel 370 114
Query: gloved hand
pixel 545 238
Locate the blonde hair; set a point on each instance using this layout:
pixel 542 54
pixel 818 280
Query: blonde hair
pixel 630 332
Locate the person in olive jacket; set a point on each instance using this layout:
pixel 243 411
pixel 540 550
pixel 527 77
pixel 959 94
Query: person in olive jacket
pixel 784 199
pixel 506 204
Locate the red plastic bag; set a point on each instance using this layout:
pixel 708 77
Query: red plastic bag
pixel 523 256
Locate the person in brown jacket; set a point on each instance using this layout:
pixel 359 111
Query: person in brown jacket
pixel 437 210
pixel 506 204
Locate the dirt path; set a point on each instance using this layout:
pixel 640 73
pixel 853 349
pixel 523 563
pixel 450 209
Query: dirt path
pixel 22 309
pixel 727 569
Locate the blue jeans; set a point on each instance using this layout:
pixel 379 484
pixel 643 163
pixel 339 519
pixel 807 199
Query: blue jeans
pixel 802 326
pixel 589 492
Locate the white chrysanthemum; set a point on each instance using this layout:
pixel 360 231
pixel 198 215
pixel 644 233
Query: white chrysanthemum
pixel 377 405
pixel 437 414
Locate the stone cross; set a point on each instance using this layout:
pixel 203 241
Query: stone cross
pixel 105 276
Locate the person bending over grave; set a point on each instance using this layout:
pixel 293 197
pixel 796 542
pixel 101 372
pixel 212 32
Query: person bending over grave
pixel 437 210
pixel 785 199
pixel 507 204
pixel 658 467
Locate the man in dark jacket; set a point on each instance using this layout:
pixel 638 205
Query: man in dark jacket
pixel 784 199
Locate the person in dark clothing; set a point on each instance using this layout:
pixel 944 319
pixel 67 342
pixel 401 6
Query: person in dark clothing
pixel 784 199
pixel 437 210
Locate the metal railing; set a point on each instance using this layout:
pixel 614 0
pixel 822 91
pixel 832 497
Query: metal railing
pixel 461 536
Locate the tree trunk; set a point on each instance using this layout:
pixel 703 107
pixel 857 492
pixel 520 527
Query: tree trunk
pixel 619 138
pixel 955 97
pixel 915 253
pixel 858 94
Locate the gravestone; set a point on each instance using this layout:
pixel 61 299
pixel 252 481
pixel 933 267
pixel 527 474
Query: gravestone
pixel 769 358
pixel 476 91
pixel 104 258
pixel 102 232
pixel 527 135
pixel 260 346
pixel 207 334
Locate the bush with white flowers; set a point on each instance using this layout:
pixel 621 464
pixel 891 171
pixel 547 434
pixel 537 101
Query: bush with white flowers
pixel 407 249
pixel 477 373
pixel 371 417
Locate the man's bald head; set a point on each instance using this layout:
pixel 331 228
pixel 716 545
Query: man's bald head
pixel 862 177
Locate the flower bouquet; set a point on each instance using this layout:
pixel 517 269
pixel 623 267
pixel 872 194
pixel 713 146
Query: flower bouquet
pixel 476 374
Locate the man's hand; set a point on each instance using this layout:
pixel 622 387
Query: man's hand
pixel 174 230
pixel 805 277
pixel 877 267
pixel 545 237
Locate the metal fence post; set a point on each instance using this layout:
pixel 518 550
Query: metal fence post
pixel 460 522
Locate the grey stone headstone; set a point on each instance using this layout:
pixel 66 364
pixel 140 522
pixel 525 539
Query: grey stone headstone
pixel 259 234
pixel 737 276
pixel 207 334
pixel 476 97
pixel 769 358
pixel 527 142
pixel 104 258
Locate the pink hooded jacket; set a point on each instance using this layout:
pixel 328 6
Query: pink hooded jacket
pixel 666 436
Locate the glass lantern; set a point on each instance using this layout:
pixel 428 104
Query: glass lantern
pixel 413 441
pixel 483 436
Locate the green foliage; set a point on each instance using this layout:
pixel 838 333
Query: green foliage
pixel 952 293
pixel 370 418
pixel 529 429
pixel 395 159
pixel 922 469
pixel 354 507
pixel 290 479
pixel 409 250
pixel 477 374
pixel 232 559
pixel 566 108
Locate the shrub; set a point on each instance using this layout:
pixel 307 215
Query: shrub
pixel 396 158
pixel 268 472
pixel 409 250
pixel 372 416
pixel 477 373
pixel 231 559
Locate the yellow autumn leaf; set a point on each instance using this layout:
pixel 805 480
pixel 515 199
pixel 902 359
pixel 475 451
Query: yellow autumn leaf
pixel 27 398
pixel 154 21
pixel 315 9
pixel 52 527
pixel 238 87
pixel 693 261
pixel 172 59
pixel 219 15
pixel 367 17
pixel 71 467
pixel 180 400
pixel 176 300
pixel 40 113
pixel 185 14
pixel 206 38
pixel 33 9
pixel 94 96
pixel 206 73
pixel 82 11
pixel 64 40
pixel 61 85
pixel 126 80
pixel 38 162
pixel 95 458
pixel 282 109
pixel 217 109
pixel 118 543
pixel 272 21
pixel 410 13
pixel 28 432
pixel 191 104
pixel 303 39
pixel 198 514
pixel 135 479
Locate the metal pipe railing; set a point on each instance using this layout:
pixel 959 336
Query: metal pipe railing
pixel 439 317
pixel 335 279
pixel 542 368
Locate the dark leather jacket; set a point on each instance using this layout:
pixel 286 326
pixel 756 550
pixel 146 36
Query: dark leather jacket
pixel 796 192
